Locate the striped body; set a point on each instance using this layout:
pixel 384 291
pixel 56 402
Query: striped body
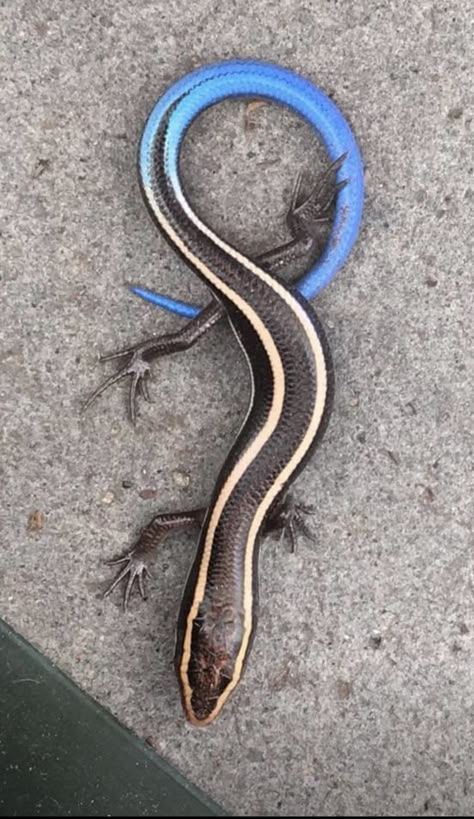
pixel 292 385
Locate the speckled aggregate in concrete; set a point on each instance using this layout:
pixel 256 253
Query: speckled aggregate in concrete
pixel 358 698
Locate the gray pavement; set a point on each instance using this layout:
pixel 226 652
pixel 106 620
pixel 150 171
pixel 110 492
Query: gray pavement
pixel 358 698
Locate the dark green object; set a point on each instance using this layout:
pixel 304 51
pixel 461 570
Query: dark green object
pixel 62 754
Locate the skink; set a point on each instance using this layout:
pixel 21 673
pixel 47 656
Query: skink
pixel 289 363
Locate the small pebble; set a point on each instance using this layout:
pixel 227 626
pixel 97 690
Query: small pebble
pixel 181 478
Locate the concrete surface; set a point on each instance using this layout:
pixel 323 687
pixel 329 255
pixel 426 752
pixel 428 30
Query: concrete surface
pixel 358 698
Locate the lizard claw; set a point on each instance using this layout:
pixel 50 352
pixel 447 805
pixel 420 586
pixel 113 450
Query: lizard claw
pixel 289 518
pixel 309 210
pixel 134 570
pixel 137 368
